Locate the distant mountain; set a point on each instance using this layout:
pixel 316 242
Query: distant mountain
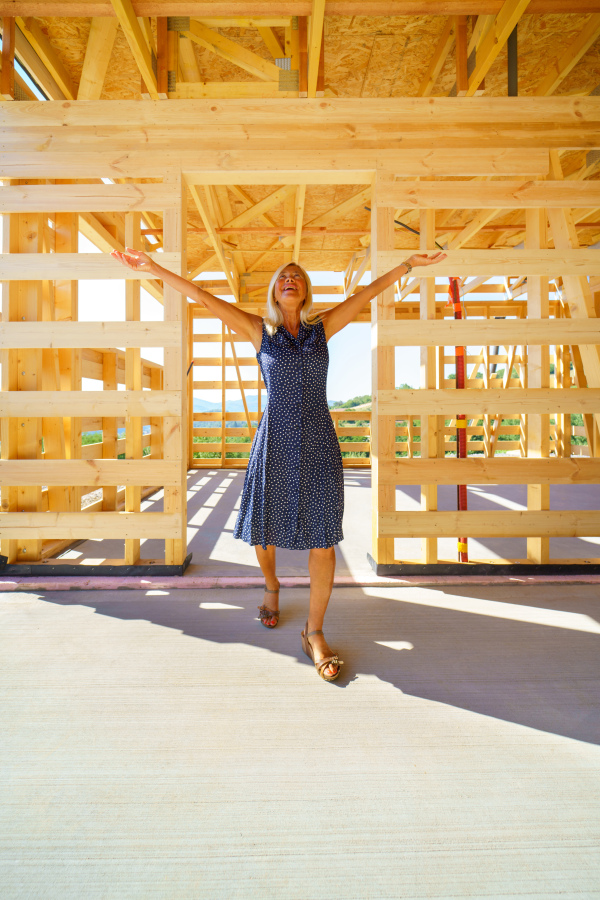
pixel 231 405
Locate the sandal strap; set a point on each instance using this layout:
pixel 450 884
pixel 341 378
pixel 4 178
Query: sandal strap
pixel 269 591
pixel 266 613
pixel 328 661
pixel 319 631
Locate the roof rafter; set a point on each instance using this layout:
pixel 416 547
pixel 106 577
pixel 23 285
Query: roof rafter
pixel 495 39
pixel 97 57
pixel 48 56
pixel 137 42
pixel 560 68
pixel 232 52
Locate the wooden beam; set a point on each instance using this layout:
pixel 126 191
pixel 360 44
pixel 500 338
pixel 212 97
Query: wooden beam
pixel 510 262
pixel 493 194
pixel 244 13
pixel 475 332
pixel 492 523
pixel 462 77
pixel 88 472
pixel 131 28
pixel 81 525
pixel 54 335
pixel 209 224
pixel 188 61
pixel 440 55
pixel 490 401
pixel 74 266
pixel 314 45
pixel 560 68
pixel 232 52
pixel 98 51
pixel 300 198
pixel 478 470
pixel 494 41
pixel 84 197
pixel 47 54
pixel 7 76
pixel 89 403
pixel 271 41
pixel 303 56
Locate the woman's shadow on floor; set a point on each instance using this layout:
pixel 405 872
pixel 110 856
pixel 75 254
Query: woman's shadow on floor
pixel 528 657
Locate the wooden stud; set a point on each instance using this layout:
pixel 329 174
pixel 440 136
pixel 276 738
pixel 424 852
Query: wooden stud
pixel 462 78
pixel 109 429
pixel 133 382
pixel 7 76
pixel 303 55
pixel 383 431
pixel 429 424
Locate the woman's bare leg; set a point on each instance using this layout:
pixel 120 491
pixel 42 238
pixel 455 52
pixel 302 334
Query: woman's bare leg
pixel 266 561
pixel 321 567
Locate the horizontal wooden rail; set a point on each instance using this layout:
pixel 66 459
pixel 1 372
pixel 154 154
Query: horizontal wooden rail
pixel 492 523
pixel 503 262
pixel 81 525
pixel 491 194
pixel 489 402
pixel 96 472
pixel 490 332
pixel 90 403
pixel 490 471
pixel 76 266
pixel 53 198
pixel 56 335
pixel 247 384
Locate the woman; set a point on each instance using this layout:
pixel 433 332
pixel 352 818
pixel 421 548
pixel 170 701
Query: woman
pixel 293 493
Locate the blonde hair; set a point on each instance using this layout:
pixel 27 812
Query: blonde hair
pixel 274 318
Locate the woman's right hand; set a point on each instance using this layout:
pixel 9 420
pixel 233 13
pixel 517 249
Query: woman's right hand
pixel 134 259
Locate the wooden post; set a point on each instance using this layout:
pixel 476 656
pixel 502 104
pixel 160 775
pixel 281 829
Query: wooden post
pixel 7 76
pixel 223 391
pixel 175 427
pixel 133 382
pixel 429 424
pixel 303 55
pixel 383 428
pixel 109 428
pixel 538 376
pixel 462 77
pixel 162 57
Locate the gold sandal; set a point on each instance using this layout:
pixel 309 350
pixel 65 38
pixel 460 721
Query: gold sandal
pixel 323 663
pixel 266 614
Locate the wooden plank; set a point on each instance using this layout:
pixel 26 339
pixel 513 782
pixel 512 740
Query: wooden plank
pixel 494 41
pixel 222 90
pixel 244 14
pixel 462 76
pixel 75 266
pixel 88 472
pixel 85 198
pixel 89 403
pixel 234 53
pixel 493 194
pixel 492 523
pixel 477 470
pixel 509 262
pixel 538 376
pixel 246 165
pixel 29 335
pixel 7 75
pixel 383 372
pixel 299 213
pixel 491 401
pixel 314 45
pixel 428 379
pixel 27 526
pixel 175 374
pixel 303 56
pixel 271 41
pixel 133 382
pixel 34 35
pixel 103 32
pixel 127 19
pixel 330 115
pixel 502 332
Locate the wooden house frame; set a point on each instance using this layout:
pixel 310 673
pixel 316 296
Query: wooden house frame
pixel 419 154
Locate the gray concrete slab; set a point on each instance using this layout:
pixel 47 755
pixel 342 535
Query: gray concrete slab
pixel 163 744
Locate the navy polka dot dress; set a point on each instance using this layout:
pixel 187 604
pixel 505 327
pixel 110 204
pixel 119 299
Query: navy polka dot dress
pixel 293 494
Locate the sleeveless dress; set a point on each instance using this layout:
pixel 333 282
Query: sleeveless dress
pixel 293 493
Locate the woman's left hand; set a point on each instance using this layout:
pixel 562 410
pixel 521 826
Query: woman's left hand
pixel 426 259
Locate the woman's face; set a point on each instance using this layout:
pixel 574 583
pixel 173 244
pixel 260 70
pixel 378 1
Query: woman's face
pixel 291 288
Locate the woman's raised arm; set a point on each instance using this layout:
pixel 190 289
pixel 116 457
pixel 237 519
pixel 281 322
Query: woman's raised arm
pixel 246 324
pixel 339 316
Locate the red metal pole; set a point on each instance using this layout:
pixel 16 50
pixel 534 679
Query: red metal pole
pixel 461 420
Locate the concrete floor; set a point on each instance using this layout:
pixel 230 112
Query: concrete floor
pixel 163 744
